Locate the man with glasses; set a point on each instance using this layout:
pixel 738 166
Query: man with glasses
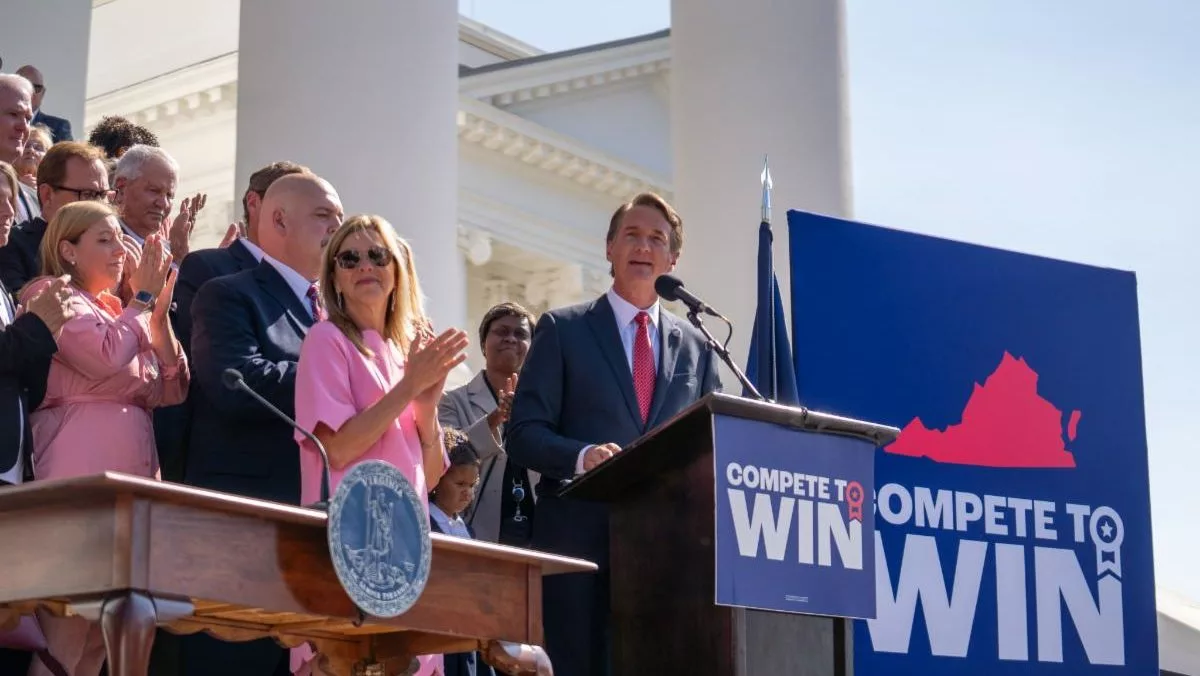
pixel 59 128
pixel 70 172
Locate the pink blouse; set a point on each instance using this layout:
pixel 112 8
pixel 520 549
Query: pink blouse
pixel 334 383
pixel 103 383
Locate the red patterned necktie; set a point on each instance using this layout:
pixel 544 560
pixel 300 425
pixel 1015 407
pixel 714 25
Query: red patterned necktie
pixel 643 365
pixel 314 302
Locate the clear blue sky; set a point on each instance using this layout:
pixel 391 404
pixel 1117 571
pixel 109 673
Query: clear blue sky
pixel 1069 129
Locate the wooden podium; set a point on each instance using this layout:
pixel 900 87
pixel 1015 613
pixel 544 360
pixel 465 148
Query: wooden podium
pixel 134 553
pixel 662 558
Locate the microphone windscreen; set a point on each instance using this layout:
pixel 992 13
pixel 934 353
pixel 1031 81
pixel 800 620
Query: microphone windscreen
pixel 667 286
pixel 231 378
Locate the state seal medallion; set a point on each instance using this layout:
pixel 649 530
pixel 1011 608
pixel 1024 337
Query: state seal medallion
pixel 379 539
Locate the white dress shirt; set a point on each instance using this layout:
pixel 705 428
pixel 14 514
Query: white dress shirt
pixel 13 475
pixel 450 526
pixel 253 249
pixel 626 314
pixel 295 281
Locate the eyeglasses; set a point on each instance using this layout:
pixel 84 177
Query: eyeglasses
pixel 86 194
pixel 352 258
pixel 38 89
pixel 502 332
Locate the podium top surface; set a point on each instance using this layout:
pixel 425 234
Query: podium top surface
pixel 116 484
pixel 608 481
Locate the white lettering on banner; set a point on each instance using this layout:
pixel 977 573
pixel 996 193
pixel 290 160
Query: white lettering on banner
pixel 1059 579
pixel 832 527
pixel 949 618
pixel 934 512
pixel 1100 626
pixel 764 528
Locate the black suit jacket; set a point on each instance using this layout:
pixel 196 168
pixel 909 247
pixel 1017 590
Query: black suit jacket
pixel 172 424
pixel 253 322
pixel 576 389
pixel 59 128
pixel 19 259
pixel 26 348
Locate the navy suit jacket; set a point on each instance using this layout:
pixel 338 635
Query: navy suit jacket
pixel 253 322
pixel 60 129
pixel 26 348
pixel 19 259
pixel 576 389
pixel 172 424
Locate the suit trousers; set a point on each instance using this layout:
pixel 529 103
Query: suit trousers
pixel 575 612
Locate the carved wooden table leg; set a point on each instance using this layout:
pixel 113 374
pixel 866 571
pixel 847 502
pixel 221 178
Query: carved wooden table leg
pixel 127 620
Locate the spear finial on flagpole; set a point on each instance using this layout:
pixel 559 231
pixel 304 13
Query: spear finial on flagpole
pixel 766 191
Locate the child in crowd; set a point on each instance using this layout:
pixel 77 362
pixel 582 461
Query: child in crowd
pixel 448 501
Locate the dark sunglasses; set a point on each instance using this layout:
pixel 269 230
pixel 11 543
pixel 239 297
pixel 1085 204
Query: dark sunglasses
pixel 352 258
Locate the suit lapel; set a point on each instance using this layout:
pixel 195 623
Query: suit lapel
pixel 671 336
pixel 479 397
pixel 603 323
pixel 274 284
pixel 242 255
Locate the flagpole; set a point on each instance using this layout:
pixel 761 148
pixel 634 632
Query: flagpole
pixel 767 338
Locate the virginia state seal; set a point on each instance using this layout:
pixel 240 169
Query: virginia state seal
pixel 379 539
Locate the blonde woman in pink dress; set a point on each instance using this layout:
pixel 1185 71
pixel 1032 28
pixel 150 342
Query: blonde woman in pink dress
pixel 115 364
pixel 370 377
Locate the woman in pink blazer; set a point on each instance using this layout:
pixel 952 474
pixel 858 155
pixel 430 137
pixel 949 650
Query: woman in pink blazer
pixel 114 364
pixel 370 378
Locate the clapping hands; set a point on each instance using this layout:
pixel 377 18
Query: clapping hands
pixel 52 304
pixel 430 360
pixel 179 232
pixel 504 399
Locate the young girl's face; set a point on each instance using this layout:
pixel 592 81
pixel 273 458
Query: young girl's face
pixel 457 488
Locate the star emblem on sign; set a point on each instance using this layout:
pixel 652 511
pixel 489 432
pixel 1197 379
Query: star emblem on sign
pixel 1108 533
pixel 1107 530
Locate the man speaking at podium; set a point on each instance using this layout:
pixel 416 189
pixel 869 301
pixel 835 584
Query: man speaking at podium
pixel 598 376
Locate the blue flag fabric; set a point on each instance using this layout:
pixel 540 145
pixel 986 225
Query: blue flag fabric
pixel 769 365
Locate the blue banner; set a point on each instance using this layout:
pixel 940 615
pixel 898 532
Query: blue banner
pixel 1014 510
pixel 795 520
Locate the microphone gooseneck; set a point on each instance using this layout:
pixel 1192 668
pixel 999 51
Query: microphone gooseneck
pixel 233 379
pixel 671 288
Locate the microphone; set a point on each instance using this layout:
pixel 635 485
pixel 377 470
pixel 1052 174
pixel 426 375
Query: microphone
pixel 671 289
pixel 233 379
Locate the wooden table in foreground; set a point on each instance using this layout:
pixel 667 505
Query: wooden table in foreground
pixel 135 553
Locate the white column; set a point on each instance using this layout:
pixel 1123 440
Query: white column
pixel 364 92
pixel 747 78
pixel 52 35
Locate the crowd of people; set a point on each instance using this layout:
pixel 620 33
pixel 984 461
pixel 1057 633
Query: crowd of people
pixel 115 335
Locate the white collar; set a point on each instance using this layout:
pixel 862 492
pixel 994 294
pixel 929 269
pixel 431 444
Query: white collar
pixel 129 231
pixel 253 248
pixel 444 520
pixel 296 281
pixel 626 311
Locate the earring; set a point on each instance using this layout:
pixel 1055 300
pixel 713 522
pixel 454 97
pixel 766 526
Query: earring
pixel 392 300
pixel 341 301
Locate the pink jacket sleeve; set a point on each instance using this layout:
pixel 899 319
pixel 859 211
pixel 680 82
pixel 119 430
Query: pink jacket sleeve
pixel 94 343
pixel 323 392
pixel 167 387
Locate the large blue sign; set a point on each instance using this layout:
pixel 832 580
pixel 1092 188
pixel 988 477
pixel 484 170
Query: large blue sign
pixel 1014 508
pixel 795 520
